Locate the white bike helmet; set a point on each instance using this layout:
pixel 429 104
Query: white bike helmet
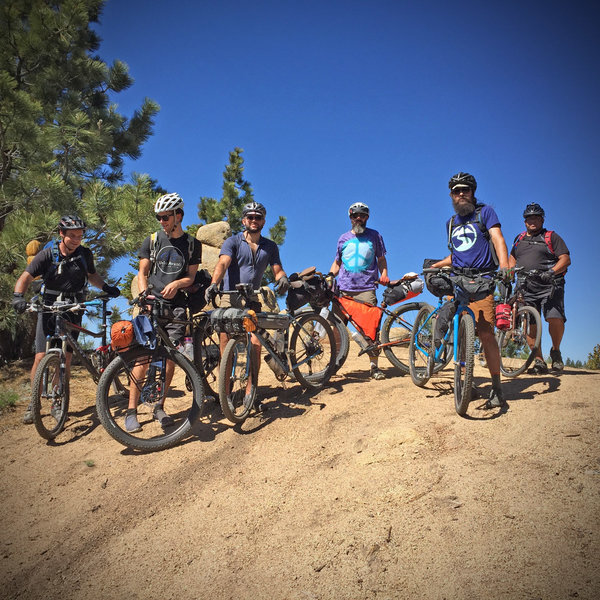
pixel 358 208
pixel 168 202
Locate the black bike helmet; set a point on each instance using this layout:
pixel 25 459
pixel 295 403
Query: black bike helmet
pixel 533 209
pixel 462 180
pixel 71 222
pixel 254 207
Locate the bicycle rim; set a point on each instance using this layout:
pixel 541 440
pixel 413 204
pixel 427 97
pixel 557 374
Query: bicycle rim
pixel 463 367
pixel 396 332
pixel 421 347
pixel 238 379
pixel 515 353
pixel 207 356
pixel 49 397
pixel 312 350
pixel 144 373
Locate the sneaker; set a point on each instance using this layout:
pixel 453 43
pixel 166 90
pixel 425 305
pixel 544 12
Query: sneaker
pixel 56 412
pixel 259 407
pixel 539 368
pixel 28 416
pixel 496 399
pixel 132 425
pixel 557 361
pixel 475 393
pixel 377 374
pixel 162 417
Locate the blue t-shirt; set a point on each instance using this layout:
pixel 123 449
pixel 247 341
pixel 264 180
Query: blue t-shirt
pixel 470 248
pixel 245 266
pixel 358 255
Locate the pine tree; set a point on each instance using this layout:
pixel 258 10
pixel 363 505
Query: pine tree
pixel 63 143
pixel 593 361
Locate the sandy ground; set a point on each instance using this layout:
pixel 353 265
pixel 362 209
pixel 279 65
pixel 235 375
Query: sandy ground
pixel 370 489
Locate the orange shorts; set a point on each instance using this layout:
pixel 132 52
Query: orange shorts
pixel 485 313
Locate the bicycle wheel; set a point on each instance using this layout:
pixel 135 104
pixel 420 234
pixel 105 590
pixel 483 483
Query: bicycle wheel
pixel 515 353
pixel 49 397
pixel 464 365
pixel 396 332
pixel 238 379
pixel 144 373
pixel 312 350
pixel 207 356
pixel 421 347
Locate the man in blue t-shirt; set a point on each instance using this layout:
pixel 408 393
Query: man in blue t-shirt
pixel 359 262
pixel 474 237
pixel 244 258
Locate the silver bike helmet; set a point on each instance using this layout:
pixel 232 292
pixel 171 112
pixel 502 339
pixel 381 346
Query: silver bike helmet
pixel 358 208
pixel 168 202
pixel 254 207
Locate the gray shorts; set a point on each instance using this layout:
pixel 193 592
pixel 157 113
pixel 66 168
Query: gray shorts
pixel 552 307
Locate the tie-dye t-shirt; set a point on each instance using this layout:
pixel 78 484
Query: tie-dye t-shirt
pixel 358 255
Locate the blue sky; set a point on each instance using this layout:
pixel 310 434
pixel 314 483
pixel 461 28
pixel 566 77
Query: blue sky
pixel 379 101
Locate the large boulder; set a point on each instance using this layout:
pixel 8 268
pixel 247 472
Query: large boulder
pixel 214 234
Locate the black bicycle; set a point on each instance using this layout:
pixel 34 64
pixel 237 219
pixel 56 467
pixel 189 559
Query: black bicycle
pixel 50 388
pixel 302 345
pixel 157 375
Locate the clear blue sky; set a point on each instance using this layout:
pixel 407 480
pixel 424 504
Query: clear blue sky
pixel 379 101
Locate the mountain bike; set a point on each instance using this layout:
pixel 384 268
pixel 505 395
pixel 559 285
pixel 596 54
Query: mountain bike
pixel 520 342
pixel 427 352
pixel 302 345
pixel 394 334
pixel 154 374
pixel 50 387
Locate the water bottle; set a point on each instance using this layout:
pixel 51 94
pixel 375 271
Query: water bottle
pixel 275 367
pixel 360 340
pixel 503 316
pixel 279 341
pixel 188 348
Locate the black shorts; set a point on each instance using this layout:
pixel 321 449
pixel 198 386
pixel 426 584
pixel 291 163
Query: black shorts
pixel 550 307
pixel 45 327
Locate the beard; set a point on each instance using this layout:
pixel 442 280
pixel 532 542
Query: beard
pixel 463 208
pixel 358 228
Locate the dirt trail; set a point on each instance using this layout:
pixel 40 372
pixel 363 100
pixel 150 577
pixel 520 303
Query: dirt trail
pixel 370 489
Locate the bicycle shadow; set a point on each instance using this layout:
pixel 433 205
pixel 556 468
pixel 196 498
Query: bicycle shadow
pixel 76 426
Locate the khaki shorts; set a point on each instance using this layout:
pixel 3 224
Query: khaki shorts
pixel 485 313
pixel 366 296
pixel 234 301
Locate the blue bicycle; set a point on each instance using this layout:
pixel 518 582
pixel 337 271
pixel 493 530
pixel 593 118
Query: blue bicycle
pixel 429 353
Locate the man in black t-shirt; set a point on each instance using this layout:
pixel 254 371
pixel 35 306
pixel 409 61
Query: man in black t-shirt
pixel 539 249
pixel 169 261
pixel 65 268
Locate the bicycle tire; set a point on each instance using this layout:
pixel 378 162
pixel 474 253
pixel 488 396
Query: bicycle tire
pixel 312 350
pixel 341 335
pixel 207 356
pixel 237 368
pixel 515 353
pixel 184 406
pixel 49 405
pixel 421 348
pixel 396 332
pixel 464 365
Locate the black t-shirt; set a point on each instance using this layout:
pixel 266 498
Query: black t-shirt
pixel 532 252
pixel 68 275
pixel 172 260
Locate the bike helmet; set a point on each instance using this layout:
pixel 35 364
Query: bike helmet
pixel 71 222
pixel 254 207
pixel 533 209
pixel 168 202
pixel 358 208
pixel 462 180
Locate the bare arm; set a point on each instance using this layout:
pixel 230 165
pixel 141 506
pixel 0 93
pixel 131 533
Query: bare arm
pixel 221 268
pixel 383 272
pixel 278 272
pixel 23 282
pixel 564 260
pixel 143 273
pixel 499 246
pixel 335 267
pixel 445 262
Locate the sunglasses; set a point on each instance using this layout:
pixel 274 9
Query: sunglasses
pixel 459 191
pixel 254 217
pixel 163 217
pixel 359 216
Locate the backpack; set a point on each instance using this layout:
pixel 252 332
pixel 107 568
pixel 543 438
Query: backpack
pixel 57 263
pixel 547 239
pixel 482 228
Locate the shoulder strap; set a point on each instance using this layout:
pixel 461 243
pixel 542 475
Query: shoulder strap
pixel 153 251
pixel 548 240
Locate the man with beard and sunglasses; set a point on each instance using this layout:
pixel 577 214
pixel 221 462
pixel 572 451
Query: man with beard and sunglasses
pixel 359 263
pixel 243 258
pixel 476 244
pixel 169 261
